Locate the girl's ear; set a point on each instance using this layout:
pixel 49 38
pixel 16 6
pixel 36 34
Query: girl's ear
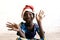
pixel 33 15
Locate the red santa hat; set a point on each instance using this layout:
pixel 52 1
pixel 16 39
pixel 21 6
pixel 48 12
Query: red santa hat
pixel 27 8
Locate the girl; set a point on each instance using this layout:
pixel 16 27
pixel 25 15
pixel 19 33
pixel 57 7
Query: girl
pixel 28 29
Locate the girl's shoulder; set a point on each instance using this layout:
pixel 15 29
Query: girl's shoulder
pixel 22 25
pixel 36 25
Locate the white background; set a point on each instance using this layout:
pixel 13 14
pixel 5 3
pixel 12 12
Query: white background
pixel 10 11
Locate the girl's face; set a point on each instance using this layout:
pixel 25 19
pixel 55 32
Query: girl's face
pixel 28 16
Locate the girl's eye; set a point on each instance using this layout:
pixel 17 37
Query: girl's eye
pixel 25 15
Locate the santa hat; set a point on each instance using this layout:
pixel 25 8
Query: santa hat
pixel 27 8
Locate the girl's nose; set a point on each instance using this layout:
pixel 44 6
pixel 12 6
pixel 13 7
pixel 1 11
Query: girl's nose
pixel 28 15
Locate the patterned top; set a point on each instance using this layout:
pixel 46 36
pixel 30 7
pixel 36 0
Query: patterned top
pixel 28 33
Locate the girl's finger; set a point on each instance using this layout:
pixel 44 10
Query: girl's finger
pixel 10 29
pixel 9 23
pixel 40 12
pixel 10 26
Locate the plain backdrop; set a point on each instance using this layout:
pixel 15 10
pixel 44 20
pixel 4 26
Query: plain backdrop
pixel 10 11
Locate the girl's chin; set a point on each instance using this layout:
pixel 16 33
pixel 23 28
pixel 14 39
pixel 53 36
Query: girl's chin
pixel 28 21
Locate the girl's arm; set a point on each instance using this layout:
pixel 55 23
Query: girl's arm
pixel 39 20
pixel 15 27
pixel 20 33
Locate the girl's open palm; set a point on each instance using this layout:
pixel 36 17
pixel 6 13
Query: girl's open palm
pixel 12 26
pixel 40 15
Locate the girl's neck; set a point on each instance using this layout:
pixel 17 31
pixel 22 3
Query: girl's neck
pixel 29 24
